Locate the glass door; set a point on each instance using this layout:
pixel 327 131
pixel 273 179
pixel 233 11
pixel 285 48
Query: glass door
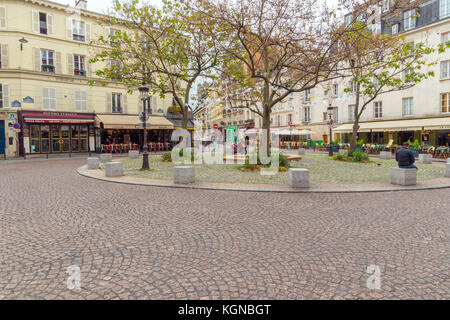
pixel 60 138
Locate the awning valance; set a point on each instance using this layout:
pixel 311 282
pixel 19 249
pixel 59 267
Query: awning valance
pixel 122 121
pixel 398 125
pixel 57 117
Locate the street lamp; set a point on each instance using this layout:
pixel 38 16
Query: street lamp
pixel 330 115
pixel 22 42
pixel 143 91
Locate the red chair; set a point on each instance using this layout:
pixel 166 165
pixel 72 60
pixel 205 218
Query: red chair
pixel 117 148
pixel 107 148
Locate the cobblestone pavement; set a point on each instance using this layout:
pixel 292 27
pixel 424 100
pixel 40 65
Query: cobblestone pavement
pixel 136 242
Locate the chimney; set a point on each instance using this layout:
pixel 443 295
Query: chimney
pixel 81 4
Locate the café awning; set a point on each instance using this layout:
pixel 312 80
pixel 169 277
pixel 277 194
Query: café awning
pixel 122 121
pixel 398 125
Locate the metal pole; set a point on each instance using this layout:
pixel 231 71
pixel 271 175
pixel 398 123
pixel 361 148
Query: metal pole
pixel 145 164
pixel 331 139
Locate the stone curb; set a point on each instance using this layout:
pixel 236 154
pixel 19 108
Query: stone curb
pixel 84 172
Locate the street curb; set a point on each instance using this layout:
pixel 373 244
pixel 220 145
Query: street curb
pixel 84 172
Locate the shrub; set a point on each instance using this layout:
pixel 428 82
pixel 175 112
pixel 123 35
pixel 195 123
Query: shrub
pixel 167 156
pixel 359 156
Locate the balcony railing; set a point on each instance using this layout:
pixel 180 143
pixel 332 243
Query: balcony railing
pixel 81 73
pixel 48 68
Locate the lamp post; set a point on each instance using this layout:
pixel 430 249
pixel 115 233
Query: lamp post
pixel 22 42
pixel 330 115
pixel 143 91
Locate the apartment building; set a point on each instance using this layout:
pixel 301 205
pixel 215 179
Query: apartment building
pixel 44 74
pixel 421 112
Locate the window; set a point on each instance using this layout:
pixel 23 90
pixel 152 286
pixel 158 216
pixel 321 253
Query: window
pixel 115 68
pixel 348 20
pixel 79 65
pixel 335 115
pixel 385 6
pixel 307 114
pixel 444 8
pixel 351 113
pixel 325 116
pixel 1 96
pixel 335 89
pixel 278 120
pixel 48 62
pixel 408 107
pixel 289 118
pixel 78 30
pixel 81 100
pixel 49 98
pixel 353 86
pixel 394 28
pixel 42 23
pixel 445 37
pixel 117 103
pixel 445 69
pixel 409 18
pixel 445 103
pixel 408 75
pixel 378 109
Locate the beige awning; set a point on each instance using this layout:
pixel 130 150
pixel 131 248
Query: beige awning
pixel 122 121
pixel 398 125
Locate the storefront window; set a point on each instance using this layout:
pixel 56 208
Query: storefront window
pixel 84 145
pixel 35 146
pixel 34 129
pixel 45 146
pixel 45 132
pixel 84 131
pixel 75 132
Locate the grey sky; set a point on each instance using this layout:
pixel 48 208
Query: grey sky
pixel 100 6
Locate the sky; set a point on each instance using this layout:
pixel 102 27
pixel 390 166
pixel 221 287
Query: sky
pixel 99 6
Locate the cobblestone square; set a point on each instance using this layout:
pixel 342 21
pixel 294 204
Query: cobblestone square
pixel 140 242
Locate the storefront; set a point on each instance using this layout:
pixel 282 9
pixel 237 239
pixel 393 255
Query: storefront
pixel 113 130
pixel 55 132
pixel 428 131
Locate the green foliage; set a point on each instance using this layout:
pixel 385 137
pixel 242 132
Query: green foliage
pixel 166 157
pixel 359 156
pixel 360 143
pixel 416 144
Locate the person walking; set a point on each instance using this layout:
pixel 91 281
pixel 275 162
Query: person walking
pixel 405 157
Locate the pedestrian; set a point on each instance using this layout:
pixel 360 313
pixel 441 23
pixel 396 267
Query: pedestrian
pixel 405 157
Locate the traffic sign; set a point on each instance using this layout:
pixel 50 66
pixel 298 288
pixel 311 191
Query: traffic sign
pixel 12 116
pixel 215 126
pixel 141 117
pixel 16 126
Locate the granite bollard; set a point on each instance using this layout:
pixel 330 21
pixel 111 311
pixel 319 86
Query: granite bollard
pixel 133 154
pixel 183 174
pixel 113 169
pixel 425 158
pixel 93 163
pixel 404 177
pixel 387 155
pixel 299 178
pixel 447 170
pixel 105 157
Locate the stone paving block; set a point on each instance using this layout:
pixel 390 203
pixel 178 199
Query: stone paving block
pixel 404 177
pixel 447 170
pixel 105 157
pixel 299 178
pixel 113 169
pixel 133 154
pixel 448 160
pixel 426 158
pixel 93 163
pixel 387 155
pixel 183 174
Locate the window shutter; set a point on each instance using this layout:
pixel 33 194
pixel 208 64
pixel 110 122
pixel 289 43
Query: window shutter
pixel 109 101
pixel 70 64
pixel 89 67
pixel 37 59
pixel 35 21
pixel 84 100
pixel 49 24
pixel 69 30
pixel 52 94
pixel 45 103
pixel 4 56
pixel 6 96
pixel 58 63
pixel 88 32
pixel 125 103
pixel 2 17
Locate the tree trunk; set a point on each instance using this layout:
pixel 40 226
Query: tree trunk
pixel 351 149
pixel 184 120
pixel 266 130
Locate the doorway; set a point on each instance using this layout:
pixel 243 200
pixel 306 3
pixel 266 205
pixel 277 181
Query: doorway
pixel 2 136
